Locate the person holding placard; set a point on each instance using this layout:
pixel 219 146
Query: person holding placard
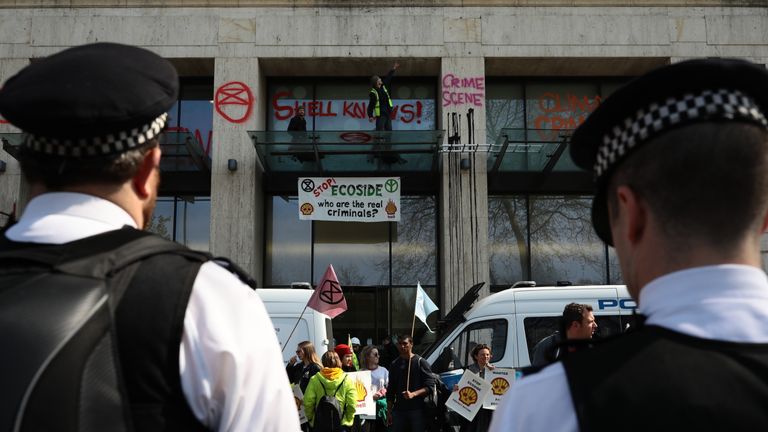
pixel 482 355
pixel 379 380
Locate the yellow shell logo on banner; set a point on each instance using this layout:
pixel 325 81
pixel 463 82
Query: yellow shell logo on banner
pixel 499 386
pixel 468 396
pixel 362 392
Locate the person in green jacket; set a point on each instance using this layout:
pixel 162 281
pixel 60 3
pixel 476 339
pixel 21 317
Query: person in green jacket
pixel 325 383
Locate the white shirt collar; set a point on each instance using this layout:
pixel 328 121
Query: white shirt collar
pixel 724 302
pixel 60 217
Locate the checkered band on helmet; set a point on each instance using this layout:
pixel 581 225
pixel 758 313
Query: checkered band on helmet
pixel 709 104
pixel 97 146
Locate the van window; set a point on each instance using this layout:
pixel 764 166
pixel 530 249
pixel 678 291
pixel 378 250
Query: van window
pixel 492 333
pixel 537 328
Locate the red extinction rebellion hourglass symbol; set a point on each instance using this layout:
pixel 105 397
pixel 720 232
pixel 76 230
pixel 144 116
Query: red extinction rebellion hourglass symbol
pixel 234 102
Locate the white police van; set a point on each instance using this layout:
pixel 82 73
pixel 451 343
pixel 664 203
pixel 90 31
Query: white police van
pixel 285 306
pixel 512 321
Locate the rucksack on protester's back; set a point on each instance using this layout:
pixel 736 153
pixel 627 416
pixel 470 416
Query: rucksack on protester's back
pixel 57 325
pixel 328 412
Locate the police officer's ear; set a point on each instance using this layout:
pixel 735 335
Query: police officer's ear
pixel 146 180
pixel 631 220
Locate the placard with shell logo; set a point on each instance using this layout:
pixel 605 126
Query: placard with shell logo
pixel 468 400
pixel 364 400
pixel 298 398
pixel 501 380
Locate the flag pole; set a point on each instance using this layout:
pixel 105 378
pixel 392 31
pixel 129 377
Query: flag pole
pixel 294 327
pixel 413 327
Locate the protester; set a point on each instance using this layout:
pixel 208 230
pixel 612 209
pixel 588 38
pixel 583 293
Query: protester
pixel 379 380
pixel 196 347
pixel 680 158
pixel 387 351
pixel 331 380
pixel 380 102
pixel 409 381
pixel 579 324
pixel 481 354
pixel 355 342
pixel 301 372
pixel 345 353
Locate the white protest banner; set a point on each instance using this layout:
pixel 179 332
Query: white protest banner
pixel 362 381
pixel 349 199
pixel 469 399
pixel 298 397
pixel 501 380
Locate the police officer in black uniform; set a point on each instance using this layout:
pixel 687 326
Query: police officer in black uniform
pixel 680 158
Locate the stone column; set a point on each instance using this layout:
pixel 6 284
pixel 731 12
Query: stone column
pixel 464 186
pixel 14 190
pixel 237 216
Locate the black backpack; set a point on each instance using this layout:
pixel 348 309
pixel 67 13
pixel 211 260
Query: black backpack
pixel 328 413
pixel 60 368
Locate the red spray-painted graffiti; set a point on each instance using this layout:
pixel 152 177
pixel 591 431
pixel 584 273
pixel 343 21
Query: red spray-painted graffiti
pixel 283 110
pixel 563 111
pixel 234 102
pixel 463 90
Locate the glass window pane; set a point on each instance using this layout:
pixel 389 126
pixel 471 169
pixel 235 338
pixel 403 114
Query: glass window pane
pixel 358 251
pixel 492 333
pixel 559 105
pixel 360 318
pixel 414 243
pixel 288 257
pixel 161 222
pixel 343 105
pixel 537 328
pixel 564 247
pixel 197 118
pixel 193 221
pixel 504 108
pixel 508 239
pixel 614 268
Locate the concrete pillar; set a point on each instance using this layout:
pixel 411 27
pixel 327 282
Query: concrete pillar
pixel 14 190
pixel 237 216
pixel 464 188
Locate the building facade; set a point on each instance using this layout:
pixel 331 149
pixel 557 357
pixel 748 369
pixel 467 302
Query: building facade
pixel 484 99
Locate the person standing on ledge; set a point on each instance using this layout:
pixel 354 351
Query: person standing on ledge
pixel 380 102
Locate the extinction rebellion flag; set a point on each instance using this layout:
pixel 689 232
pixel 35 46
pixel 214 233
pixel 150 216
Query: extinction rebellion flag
pixel 328 297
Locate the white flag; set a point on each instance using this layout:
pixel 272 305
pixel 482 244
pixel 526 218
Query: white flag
pixel 424 305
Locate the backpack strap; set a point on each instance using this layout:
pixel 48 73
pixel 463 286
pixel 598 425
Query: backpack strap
pixel 340 384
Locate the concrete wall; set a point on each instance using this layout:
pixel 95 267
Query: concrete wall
pixel 435 38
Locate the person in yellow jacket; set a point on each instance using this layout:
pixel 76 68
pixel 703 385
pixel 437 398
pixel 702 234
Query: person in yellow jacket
pixel 327 382
pixel 380 103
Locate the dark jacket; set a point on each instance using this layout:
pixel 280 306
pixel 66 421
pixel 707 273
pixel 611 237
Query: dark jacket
pixel 398 378
pixel 297 124
pixel 298 373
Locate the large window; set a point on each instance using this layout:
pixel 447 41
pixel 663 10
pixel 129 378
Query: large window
pixel 546 239
pixel 542 109
pixel 332 105
pixel 193 114
pixel 378 264
pixel 185 220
